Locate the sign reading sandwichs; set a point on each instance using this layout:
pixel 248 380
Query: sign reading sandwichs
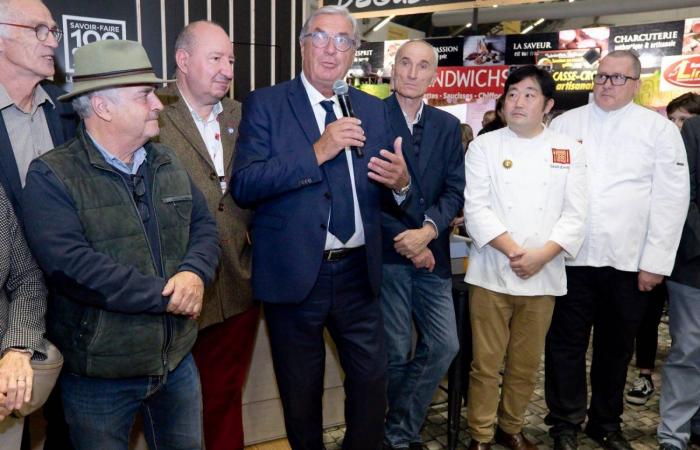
pixel 378 8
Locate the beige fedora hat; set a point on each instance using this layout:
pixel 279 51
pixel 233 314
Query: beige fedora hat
pixel 111 63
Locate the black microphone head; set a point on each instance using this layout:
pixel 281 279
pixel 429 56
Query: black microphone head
pixel 340 87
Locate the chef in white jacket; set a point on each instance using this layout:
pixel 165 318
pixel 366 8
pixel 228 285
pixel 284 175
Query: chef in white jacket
pixel 638 200
pixel 525 207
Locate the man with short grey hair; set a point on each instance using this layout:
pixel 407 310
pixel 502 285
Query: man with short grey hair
pixel 638 198
pixel 317 230
pixel 126 242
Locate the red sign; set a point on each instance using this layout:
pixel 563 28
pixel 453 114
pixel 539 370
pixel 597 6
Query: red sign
pixel 467 84
pixel 684 73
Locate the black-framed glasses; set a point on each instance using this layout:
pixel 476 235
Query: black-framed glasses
pixel 617 79
pixel 42 31
pixel 341 42
pixel 140 197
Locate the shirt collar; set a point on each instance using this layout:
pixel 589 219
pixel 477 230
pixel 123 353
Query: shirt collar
pixel 602 114
pixel 138 158
pixel 315 97
pixel 40 97
pixel 218 108
pixel 418 114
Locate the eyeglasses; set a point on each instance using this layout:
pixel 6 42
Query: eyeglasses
pixel 139 197
pixel 42 31
pixel 616 79
pixel 341 42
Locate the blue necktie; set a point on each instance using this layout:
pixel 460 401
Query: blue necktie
pixel 337 174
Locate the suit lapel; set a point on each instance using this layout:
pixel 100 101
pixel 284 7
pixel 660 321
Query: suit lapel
pixel 301 106
pixel 427 143
pixel 229 119
pixel 8 164
pixel 180 115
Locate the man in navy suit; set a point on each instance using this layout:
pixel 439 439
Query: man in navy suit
pixel 317 230
pixel 416 275
pixel 32 122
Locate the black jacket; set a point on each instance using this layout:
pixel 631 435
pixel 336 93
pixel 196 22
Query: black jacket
pixel 687 267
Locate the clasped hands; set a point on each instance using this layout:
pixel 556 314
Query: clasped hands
pixel 389 170
pixel 16 381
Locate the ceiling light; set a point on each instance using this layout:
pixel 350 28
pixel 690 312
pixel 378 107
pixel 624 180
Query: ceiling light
pixel 381 24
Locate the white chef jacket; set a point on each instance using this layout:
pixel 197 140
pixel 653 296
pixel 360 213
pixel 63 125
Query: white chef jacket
pixel 540 198
pixel 638 187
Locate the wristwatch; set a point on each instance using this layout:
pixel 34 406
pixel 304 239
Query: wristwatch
pixel 404 190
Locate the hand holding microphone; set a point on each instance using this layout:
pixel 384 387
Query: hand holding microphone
pixel 340 88
pixel 342 133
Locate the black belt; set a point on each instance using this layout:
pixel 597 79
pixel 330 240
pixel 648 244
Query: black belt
pixel 338 254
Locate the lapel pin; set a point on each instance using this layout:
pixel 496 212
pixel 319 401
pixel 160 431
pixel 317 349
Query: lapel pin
pixel 230 130
pixel 507 163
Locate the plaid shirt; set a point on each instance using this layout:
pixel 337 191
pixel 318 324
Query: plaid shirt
pixel 23 294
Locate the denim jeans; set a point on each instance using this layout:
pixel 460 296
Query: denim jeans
pixel 101 411
pixel 680 389
pixel 410 295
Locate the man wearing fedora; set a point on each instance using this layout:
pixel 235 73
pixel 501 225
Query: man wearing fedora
pixel 126 243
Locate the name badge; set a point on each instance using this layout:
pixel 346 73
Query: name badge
pixel 561 156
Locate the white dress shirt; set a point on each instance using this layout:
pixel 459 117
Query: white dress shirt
pixel 210 131
pixel 534 189
pixel 638 187
pixel 315 97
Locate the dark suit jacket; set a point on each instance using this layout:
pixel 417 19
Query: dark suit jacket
pixel 62 122
pixel 230 293
pixel 687 267
pixel 276 172
pixel 437 182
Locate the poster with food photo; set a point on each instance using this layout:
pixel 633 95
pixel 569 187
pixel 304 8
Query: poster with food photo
pixel 691 37
pixel 484 51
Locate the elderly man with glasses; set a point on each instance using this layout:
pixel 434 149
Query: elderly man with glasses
pixel 316 230
pixel 638 198
pixel 126 242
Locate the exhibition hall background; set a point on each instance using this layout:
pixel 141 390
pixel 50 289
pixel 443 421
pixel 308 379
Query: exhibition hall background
pixel 264 32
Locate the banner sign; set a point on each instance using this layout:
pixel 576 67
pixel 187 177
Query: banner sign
pixel 680 72
pixel 466 84
pixel 369 59
pixel 521 48
pixel 81 31
pixel 449 51
pixel 394 6
pixel 570 69
pixel 650 41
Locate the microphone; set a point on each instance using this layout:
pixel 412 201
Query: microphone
pixel 340 88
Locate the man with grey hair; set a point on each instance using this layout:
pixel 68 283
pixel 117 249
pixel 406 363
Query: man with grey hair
pixel 200 123
pixel 638 191
pixel 317 231
pixel 416 272
pixel 126 242
pixel 32 122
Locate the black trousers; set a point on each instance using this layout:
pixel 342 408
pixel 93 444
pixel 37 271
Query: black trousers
pixel 608 301
pixel 647 340
pixel 341 302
